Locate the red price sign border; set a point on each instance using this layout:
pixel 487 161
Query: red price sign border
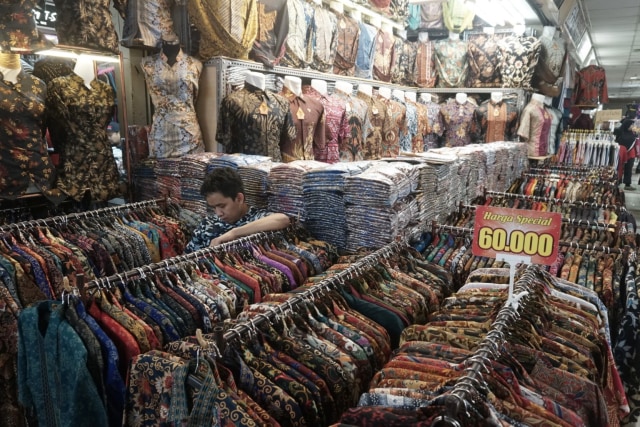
pixel 517 232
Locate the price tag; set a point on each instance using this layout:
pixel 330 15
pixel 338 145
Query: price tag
pixel 516 236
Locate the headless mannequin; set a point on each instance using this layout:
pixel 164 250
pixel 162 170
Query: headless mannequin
pixel 519 29
pixel 356 14
pixel 426 97
pixel 344 87
pixel 461 98
pixel 10 66
pixel 293 84
pixel 411 96
pixel 423 37
pixel 547 101
pixel 171 49
pixel 365 89
pixel 384 92
pixel 319 85
pixel 255 80
pixel 85 69
pixel 403 34
pixel 398 94
pixel 454 36
pixel 387 28
pixel 375 21
pixel 496 97
pixel 539 98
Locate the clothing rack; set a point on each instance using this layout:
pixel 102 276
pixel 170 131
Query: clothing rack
pixel 572 171
pixel 612 181
pixel 557 201
pixel 79 215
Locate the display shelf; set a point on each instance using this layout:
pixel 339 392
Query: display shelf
pixel 366 11
pixel 522 94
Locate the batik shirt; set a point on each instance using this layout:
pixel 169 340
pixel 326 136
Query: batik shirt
pixel 88 23
pixel 535 124
pixel 383 57
pixel 23 150
pixel 423 128
pixel 325 29
pixel 331 114
pixel 299 48
pixel 411 128
pixel 253 121
pixel 381 124
pixel 273 28
pixel 77 117
pixel 354 134
pixel 399 10
pixel 308 117
pixel 398 116
pixel 548 75
pixel 436 127
pixel 518 57
pixel 227 27
pixel 483 61
pixel 174 89
pixel 18 32
pixel 426 74
pixel 590 87
pixel 213 227
pixel 452 62
pixel 555 131
pixel 431 14
pixel 348 36
pixel 496 122
pixel 366 51
pixel 147 23
pixel 399 61
pixel 458 122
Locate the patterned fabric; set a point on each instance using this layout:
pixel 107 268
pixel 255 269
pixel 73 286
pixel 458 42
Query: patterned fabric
pixel 356 129
pixel 325 38
pixel 483 61
pixel 77 118
pixel 590 87
pixel 399 10
pixel 11 414
pixel 23 151
pixel 253 121
pixel 398 116
pixel 423 128
pixel 458 15
pixel 273 28
pixel 212 227
pixel 535 123
pixel 348 37
pixel 555 131
pixel 403 67
pixel 147 22
pixel 308 117
pixel 49 68
pixel 550 69
pixel 518 58
pixel 380 125
pixel 411 128
pixel 452 63
pixel 383 57
pixel 496 122
pixel 436 126
pixel 227 27
pixel 174 89
pixel 426 74
pixel 431 14
pixel 458 122
pixel 299 47
pixel 330 109
pixel 18 32
pixel 366 51
pixel 88 24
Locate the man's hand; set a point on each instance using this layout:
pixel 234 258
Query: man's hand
pixel 226 237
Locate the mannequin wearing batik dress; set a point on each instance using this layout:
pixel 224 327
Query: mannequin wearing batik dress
pixel 496 120
pixel 535 125
pixel 172 79
pixel 79 107
pixel 457 116
pixel 23 151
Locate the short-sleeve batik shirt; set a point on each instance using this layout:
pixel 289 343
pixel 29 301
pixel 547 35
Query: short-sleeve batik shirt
pixel 535 125
pixel 458 121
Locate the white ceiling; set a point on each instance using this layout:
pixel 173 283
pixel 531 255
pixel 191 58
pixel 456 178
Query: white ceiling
pixel 614 26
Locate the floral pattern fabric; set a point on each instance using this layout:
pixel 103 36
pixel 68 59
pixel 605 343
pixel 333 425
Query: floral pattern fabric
pixel 452 64
pixel 483 61
pixel 458 122
pixel 518 57
pixel 436 126
pixel 253 121
pixel 175 131
pixel 299 47
pixel 308 117
pixel 398 116
pixel 18 32
pixel 590 87
pixel 332 120
pixel 78 116
pixel 380 125
pixel 423 128
pixel 273 28
pixel 548 75
pixel 411 125
pixel 347 46
pixel 426 74
pixel 23 151
pixel 147 23
pixel 383 57
pixel 535 124
pixel 352 139
pixel 325 38
pixel 403 67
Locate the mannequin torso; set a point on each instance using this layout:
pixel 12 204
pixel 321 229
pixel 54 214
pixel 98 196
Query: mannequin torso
pixel 365 89
pixel 344 87
pixel 384 92
pixel 10 66
pixel 294 84
pixel 461 98
pixel 171 49
pixel 319 85
pixel 85 69
pixel 255 80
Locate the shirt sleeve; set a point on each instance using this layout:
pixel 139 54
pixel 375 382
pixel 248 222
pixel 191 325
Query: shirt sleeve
pixel 202 235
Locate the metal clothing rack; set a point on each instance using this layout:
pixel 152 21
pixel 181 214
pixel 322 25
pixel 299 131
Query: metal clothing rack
pixel 79 215
pixel 570 171
pixel 568 202
pixel 612 181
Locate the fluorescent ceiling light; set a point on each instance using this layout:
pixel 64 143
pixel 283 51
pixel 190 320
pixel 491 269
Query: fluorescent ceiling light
pixel 60 53
pixel 585 48
pixel 503 12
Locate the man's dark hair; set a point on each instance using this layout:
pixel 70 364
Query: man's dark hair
pixel 222 180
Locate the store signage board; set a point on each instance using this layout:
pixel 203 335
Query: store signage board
pixel 516 236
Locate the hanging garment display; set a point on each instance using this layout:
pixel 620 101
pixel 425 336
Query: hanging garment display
pixel 535 124
pixel 380 125
pixel 365 60
pixel 147 24
pixel 174 90
pixel 308 117
pixel 383 57
pixel 594 149
pixel 299 45
pixel 273 28
pixel 19 32
pixel 404 64
pixel 496 121
pixel 483 61
pixel 398 116
pixel 556 129
pixel 355 131
pixel 333 117
pixel 436 126
pixel 452 63
pixel 423 129
pixel 348 38
pixel 458 122
pixel 548 78
pixel 325 31
pixel 518 56
pixel 431 14
pixel 590 88
pixel 411 129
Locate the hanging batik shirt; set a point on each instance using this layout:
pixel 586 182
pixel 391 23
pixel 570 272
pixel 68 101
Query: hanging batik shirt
pixel 227 27
pixel 518 57
pixel 411 122
pixel 398 73
pixel 556 129
pixel 436 127
pixel 88 23
pixel 308 117
pixel 383 57
pixel 18 32
pixel 329 105
pixel 174 89
pixel 352 140
pixel 590 87
pixel 423 129
pixel 496 122
pixel 325 30
pixel 548 76
pixel 452 62
pixel 366 51
pixel 23 151
pixel 348 37
pixel 254 121
pixel 299 47
pixel 535 125
pixel 431 14
pixel 483 61
pixel 78 117
pixel 147 23
pixel 458 122
pixel 398 116
pixel 399 10
pixel 380 125
pixel 273 28
pixel 426 75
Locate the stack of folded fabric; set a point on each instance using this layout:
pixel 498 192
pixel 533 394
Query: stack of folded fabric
pixel 285 187
pixel 235 160
pixel 168 172
pixel 193 169
pixel 145 180
pixel 324 203
pixel 256 183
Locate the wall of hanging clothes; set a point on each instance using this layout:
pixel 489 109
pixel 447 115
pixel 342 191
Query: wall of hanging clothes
pixel 593 148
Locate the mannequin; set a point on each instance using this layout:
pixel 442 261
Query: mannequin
pixel 356 14
pixel 255 79
pixel 294 84
pixel 535 126
pixel 387 28
pixel 319 85
pixel 425 97
pixel 10 66
pixel 345 87
pixel 376 21
pixel 423 37
pixel 403 34
pixel 337 7
pixel 537 97
pixel 495 120
pixel 398 94
pixel 457 117
pixel 548 32
pixel 411 96
pixel 496 97
pixel 171 48
pixel 365 89
pixel 85 69
pixel 454 36
pixel 547 101
pixel 384 92
pixel 461 98
pixel 451 61
pixel 519 29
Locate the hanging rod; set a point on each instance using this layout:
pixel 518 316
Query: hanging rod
pixel 586 180
pixel 557 201
pixel 79 215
